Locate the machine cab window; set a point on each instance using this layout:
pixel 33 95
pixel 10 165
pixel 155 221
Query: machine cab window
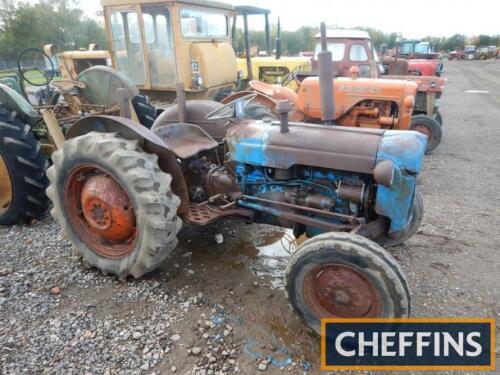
pixel 203 24
pixel 160 45
pixel 126 34
pixel 358 53
pixel 337 50
pixel 131 58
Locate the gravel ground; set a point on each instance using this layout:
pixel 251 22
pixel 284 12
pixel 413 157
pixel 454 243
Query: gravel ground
pixel 219 308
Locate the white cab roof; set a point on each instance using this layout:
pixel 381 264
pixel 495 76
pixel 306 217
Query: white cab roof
pixel 345 34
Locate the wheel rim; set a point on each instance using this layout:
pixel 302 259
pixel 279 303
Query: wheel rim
pixel 100 212
pixel 423 129
pixel 6 191
pixel 338 290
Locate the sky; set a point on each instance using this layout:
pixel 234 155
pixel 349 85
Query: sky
pixel 414 19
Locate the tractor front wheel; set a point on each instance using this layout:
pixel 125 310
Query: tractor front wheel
pixel 22 172
pixel 342 275
pixel 114 204
pixel 430 127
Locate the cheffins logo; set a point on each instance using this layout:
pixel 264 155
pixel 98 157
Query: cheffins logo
pixel 408 344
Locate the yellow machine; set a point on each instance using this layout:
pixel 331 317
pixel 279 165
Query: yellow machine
pixel 161 43
pixel 274 69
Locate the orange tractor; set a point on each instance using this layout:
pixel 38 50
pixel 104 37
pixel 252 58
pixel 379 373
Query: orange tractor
pixel 359 102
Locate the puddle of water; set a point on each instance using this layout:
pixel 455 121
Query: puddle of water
pixel 266 253
pixel 272 256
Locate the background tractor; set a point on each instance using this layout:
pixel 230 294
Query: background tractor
pixel 22 162
pixel 177 43
pixel 121 191
pixel 271 68
pixel 359 102
pixel 353 48
pixel 34 119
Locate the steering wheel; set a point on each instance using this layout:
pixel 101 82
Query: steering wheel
pixel 27 63
pixel 233 109
pixel 291 76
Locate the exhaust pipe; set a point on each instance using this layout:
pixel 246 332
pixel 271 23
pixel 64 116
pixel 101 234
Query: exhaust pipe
pixel 278 41
pixel 325 62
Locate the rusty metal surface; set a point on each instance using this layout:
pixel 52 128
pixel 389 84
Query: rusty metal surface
pixel 107 208
pixel 316 211
pixel 347 149
pixel 151 143
pixel 338 290
pixel 196 111
pixel 286 215
pixel 326 85
pixel 206 214
pixel 185 140
pixel 424 83
pixel 100 211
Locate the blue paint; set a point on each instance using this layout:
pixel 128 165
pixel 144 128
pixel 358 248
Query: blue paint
pixel 406 150
pixel 248 151
pixel 279 358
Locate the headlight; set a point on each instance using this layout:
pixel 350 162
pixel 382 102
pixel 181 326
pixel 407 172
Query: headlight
pixel 384 173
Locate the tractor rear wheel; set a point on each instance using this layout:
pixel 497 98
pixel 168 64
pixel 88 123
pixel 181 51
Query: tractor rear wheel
pixel 22 172
pixel 430 127
pixel 342 275
pixel 416 217
pixel 114 204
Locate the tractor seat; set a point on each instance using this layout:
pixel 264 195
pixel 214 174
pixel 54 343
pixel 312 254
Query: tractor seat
pixel 185 140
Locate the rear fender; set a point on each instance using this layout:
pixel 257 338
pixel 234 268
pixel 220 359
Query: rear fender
pixel 150 143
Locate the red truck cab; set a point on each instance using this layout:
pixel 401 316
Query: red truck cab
pixel 350 48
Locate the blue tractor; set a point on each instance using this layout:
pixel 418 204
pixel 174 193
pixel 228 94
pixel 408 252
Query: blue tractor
pixel 121 192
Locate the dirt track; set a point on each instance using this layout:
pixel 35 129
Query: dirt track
pixel 453 266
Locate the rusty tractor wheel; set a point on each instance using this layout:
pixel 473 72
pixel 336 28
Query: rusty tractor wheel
pixel 416 217
pixel 22 172
pixel 430 127
pixel 342 275
pixel 114 204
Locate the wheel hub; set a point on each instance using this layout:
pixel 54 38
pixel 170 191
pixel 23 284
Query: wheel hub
pixel 107 208
pixel 100 211
pixel 340 291
pixel 5 187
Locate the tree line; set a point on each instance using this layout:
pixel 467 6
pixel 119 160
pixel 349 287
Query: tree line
pixel 24 25
pixel 294 42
